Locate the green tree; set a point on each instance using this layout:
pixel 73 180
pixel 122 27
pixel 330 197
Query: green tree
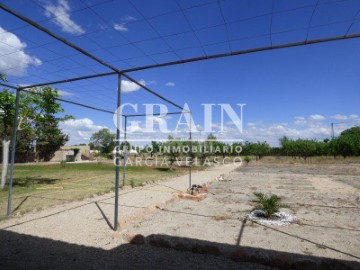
pixel 155 146
pixel 347 144
pixel 306 148
pixel 38 128
pixel 103 141
pixel 6 127
pixel 259 149
pixel 126 144
pixel 45 120
pixel 172 150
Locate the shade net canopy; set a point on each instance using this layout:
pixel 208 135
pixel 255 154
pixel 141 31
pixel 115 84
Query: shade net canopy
pixel 134 33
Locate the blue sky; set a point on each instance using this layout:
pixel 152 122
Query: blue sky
pixel 296 92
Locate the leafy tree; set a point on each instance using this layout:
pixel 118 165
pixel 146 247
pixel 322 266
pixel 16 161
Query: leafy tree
pixel 155 146
pixel 38 129
pixel 206 148
pixel 322 148
pixel 172 150
pixel 126 144
pixel 347 144
pixel 103 141
pixel 3 77
pixel 6 127
pixel 286 146
pixel 49 137
pixel 259 149
pixel 300 147
pixel 237 148
pixel 306 148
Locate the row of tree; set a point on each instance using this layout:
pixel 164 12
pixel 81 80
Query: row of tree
pixel 347 144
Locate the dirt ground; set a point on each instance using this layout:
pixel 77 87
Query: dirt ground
pixel 324 198
pixel 169 233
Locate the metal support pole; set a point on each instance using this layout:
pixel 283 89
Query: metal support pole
pixel 191 159
pixel 117 169
pixel 125 153
pixel 332 131
pixel 13 150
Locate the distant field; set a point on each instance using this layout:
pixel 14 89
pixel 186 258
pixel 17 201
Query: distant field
pixel 39 186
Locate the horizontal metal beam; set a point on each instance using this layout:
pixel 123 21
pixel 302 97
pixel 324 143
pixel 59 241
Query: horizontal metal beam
pixel 47 31
pixel 154 114
pixel 152 92
pixel 70 102
pixel 260 49
pixel 8 86
pixel 69 80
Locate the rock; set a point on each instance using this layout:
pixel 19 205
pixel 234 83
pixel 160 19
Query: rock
pixel 304 264
pixel 137 240
pixel 159 242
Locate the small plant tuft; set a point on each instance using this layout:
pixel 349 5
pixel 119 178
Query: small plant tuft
pixel 63 163
pixel 247 160
pixel 132 183
pixel 270 204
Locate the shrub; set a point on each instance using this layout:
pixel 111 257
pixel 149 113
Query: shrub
pixel 270 204
pixel 247 160
pixel 63 163
pixel 132 183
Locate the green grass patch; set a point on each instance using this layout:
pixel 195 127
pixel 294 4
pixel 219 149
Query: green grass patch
pixel 46 185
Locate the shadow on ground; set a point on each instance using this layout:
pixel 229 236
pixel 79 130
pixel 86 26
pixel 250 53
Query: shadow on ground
pixel 19 251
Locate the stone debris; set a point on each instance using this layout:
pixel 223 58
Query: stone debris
pixel 279 218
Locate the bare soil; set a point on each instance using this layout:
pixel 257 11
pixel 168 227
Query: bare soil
pixel 169 233
pixel 324 198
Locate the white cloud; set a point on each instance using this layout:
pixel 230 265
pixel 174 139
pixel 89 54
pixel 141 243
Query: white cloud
pixel 300 120
pixel 128 18
pixel 60 15
pixel 65 93
pixel 152 82
pixel 120 27
pixel 127 86
pixel 316 117
pixel 79 130
pixel 170 84
pixel 311 127
pixel 14 60
pixel 344 117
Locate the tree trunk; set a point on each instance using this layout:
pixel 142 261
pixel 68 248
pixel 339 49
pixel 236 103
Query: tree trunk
pixel 5 162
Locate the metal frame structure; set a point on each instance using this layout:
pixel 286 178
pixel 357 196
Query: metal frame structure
pixel 120 74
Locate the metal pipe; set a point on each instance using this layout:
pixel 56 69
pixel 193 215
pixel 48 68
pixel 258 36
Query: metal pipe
pixel 8 86
pixel 267 48
pixel 191 160
pixel 117 154
pixel 152 92
pixel 63 40
pixel 153 114
pixel 69 80
pixel 13 150
pixel 125 152
pixel 70 102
